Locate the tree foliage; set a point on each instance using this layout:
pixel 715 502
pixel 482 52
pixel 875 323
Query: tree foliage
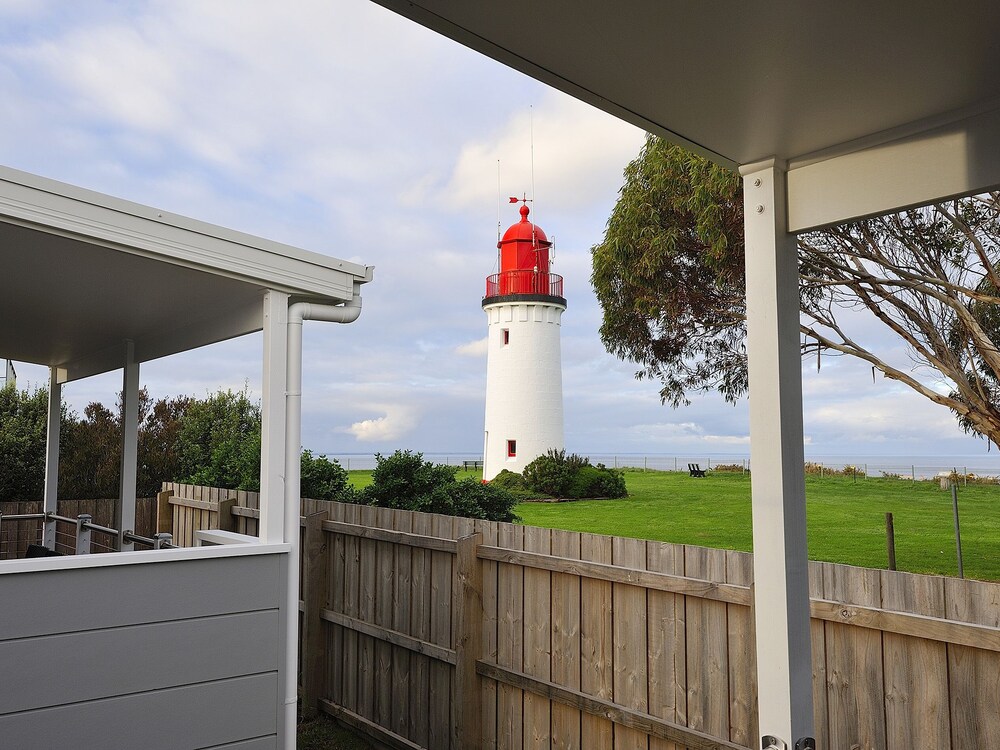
pixel 213 441
pixel 23 418
pixel 323 479
pixel 218 443
pixel 670 278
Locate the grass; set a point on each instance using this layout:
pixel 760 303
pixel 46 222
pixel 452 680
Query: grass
pixel 846 519
pixel 323 733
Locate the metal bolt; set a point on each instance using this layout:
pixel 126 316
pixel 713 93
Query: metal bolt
pixel 756 183
pixel 760 209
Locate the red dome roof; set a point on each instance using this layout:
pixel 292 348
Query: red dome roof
pixel 524 230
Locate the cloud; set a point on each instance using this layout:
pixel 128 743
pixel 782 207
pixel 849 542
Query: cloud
pixel 577 148
pixel 475 348
pixel 397 422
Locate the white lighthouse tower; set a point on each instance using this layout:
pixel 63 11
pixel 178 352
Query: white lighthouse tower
pixel 524 304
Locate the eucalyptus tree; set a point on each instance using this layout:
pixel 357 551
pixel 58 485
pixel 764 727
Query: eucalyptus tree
pixel 670 277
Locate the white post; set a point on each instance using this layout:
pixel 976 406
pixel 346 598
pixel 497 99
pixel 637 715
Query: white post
pixel 781 572
pixel 125 517
pixel 272 437
pixel 51 503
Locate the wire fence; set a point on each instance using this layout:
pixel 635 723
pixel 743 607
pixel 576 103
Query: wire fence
pixel 964 468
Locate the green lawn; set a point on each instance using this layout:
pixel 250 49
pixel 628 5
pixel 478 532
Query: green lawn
pixel 846 518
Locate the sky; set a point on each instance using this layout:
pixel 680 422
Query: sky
pixel 341 128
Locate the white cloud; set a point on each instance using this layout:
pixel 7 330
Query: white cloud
pixel 475 348
pixel 397 422
pixel 577 148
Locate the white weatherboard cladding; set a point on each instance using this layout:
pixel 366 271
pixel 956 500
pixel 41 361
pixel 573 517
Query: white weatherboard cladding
pixel 523 384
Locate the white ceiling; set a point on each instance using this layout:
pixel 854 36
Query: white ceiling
pixel 871 106
pixel 744 81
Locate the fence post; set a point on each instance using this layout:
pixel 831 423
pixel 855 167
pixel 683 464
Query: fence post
pixel 83 534
pixel 227 521
pixel 958 534
pixel 468 603
pixel 315 572
pixel 890 540
pixel 164 513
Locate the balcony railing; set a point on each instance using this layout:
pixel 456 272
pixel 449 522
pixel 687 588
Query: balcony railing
pixel 524 282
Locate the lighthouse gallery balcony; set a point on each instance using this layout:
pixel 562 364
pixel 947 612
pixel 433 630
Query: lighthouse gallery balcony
pixel 525 285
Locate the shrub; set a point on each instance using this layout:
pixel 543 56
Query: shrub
pixel 508 480
pixel 404 480
pixel 323 479
pixel 598 481
pixel 560 475
pixel 552 473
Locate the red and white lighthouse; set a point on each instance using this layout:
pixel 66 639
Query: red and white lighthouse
pixel 524 304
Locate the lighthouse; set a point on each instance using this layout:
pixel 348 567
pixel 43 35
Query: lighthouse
pixel 524 304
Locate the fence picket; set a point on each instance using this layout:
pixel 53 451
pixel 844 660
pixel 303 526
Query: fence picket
pixel 488 735
pixel 854 662
pixel 916 710
pixel 817 632
pixel 596 645
pixel 510 638
pixel 707 643
pixel 630 644
pixel 972 673
pixel 667 663
pixel 401 593
pixel 440 705
pixel 566 640
pixel 537 640
pixel 420 627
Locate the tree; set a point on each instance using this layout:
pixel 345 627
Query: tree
pixel 323 479
pixel 218 443
pixel 91 455
pixel 670 278
pixel 23 424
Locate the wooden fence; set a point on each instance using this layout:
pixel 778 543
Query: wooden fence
pixel 429 631
pixel 15 536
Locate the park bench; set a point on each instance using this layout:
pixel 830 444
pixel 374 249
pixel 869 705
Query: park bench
pixel 472 465
pixel 695 470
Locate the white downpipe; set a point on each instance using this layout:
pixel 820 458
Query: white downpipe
pixel 298 312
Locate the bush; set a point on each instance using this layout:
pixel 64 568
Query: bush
pixel 598 481
pixel 553 473
pixel 405 481
pixel 560 475
pixel 323 479
pixel 508 480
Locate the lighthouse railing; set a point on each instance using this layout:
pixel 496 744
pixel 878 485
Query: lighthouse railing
pixel 524 282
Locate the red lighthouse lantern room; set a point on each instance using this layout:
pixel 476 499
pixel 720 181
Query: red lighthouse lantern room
pixel 524 263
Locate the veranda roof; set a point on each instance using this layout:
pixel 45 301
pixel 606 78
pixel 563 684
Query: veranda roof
pixel 873 106
pixel 83 272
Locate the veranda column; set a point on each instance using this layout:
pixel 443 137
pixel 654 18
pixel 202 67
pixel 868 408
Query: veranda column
pixel 51 503
pixel 125 517
pixel 272 437
pixel 781 573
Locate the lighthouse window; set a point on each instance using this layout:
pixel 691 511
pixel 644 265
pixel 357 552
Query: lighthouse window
pixel 505 337
pixel 511 448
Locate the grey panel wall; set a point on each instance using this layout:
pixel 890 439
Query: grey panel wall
pixel 171 655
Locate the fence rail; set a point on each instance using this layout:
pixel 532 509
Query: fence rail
pixel 21 524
